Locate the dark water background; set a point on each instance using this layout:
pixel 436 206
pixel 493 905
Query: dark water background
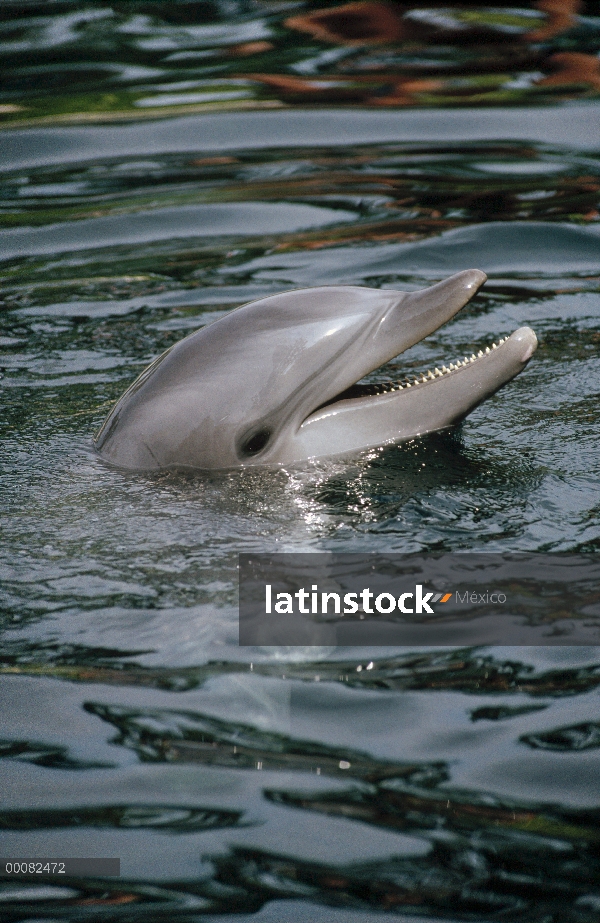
pixel 147 188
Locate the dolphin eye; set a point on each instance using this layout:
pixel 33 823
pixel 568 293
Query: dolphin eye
pixel 256 442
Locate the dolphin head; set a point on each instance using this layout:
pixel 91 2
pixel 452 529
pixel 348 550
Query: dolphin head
pixel 275 381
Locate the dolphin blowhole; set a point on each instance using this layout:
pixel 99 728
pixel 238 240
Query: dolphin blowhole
pixel 279 381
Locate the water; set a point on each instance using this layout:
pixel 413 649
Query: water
pixel 316 785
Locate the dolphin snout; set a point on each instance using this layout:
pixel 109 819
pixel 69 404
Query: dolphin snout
pixel 526 339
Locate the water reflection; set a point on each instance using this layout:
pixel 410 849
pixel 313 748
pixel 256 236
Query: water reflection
pixel 576 737
pixel 50 756
pixel 165 818
pixel 468 670
pixel 190 737
pixel 366 193
pixel 375 494
pixel 480 853
pixel 160 58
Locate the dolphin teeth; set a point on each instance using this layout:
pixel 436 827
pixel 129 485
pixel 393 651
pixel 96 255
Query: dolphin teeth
pixel 458 364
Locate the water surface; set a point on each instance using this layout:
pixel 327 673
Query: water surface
pixel 319 784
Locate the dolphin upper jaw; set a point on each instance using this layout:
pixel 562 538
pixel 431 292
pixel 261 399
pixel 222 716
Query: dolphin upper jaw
pixel 274 382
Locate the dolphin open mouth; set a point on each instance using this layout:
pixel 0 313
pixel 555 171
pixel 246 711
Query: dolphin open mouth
pixel 411 380
pixel 393 411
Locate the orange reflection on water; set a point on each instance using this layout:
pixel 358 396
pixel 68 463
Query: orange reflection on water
pixel 573 69
pixel 353 24
pixel 561 17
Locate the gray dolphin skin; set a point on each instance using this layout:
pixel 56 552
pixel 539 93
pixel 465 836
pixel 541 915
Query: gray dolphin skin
pixel 276 382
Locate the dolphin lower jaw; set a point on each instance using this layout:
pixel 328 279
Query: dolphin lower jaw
pixel 425 404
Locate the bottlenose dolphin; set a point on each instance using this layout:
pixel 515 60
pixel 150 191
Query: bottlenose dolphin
pixel 277 381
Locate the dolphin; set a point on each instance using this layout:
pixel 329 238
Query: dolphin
pixel 277 381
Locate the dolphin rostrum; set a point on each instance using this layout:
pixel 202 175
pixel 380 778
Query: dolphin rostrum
pixel 276 381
